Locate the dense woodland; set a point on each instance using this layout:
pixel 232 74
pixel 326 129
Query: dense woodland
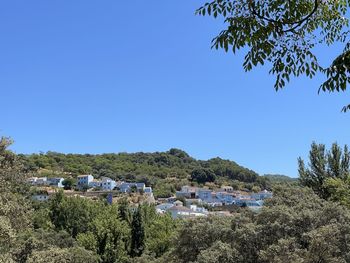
pixel 304 222
pixel 164 171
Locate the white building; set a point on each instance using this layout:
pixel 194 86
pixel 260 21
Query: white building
pixel 84 180
pixel 57 181
pixel 180 211
pixel 108 184
pixel 95 183
pixel 39 181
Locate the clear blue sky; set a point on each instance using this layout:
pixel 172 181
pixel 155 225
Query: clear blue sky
pixel 88 76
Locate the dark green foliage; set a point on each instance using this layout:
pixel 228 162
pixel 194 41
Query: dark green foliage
pixel 202 175
pixel 280 178
pixel 137 234
pixel 68 183
pixel 324 165
pixel 161 170
pixel 73 214
pixel 284 34
pixel 295 226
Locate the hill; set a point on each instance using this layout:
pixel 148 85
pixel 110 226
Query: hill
pixel 280 178
pixel 165 171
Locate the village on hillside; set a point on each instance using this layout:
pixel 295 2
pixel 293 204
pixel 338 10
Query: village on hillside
pixel 188 202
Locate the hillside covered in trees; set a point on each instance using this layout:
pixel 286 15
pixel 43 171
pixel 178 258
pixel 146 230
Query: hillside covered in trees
pixel 299 224
pixel 165 171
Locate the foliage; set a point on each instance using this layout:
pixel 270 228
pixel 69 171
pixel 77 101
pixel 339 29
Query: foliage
pixel 284 34
pixel 325 165
pixel 137 234
pixel 68 183
pixel 280 178
pixel 295 226
pixel 202 175
pixel 164 171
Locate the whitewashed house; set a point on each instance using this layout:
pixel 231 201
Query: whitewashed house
pixel 95 183
pixel 108 184
pixel 38 181
pixel 262 195
pixel 125 187
pixel 84 180
pixel 57 181
pixel 162 208
pixel 180 211
pixel 186 192
pixel 204 194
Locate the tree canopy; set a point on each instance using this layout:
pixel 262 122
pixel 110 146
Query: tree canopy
pixel 284 34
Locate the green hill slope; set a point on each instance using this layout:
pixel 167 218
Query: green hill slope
pixel 166 171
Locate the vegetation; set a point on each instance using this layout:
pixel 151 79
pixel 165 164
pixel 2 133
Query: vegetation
pixel 328 173
pixel 307 223
pixel 295 226
pixel 280 178
pixel 284 34
pixel 164 171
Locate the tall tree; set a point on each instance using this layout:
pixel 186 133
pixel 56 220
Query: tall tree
pixel 284 34
pixel 137 234
pixel 324 165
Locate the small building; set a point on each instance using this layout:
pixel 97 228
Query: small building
pixel 180 211
pixel 56 181
pixel 40 197
pixel 228 189
pixel 84 180
pixel 37 180
pixel 186 192
pixel 198 209
pixel 32 180
pixel 148 191
pixel 204 194
pixel 95 183
pixel 225 198
pixel 108 184
pixel 162 208
pixel 262 195
pixel 127 187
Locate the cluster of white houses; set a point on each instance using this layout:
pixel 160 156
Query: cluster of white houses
pixel 88 181
pixel 107 184
pixel 196 197
pixel 44 181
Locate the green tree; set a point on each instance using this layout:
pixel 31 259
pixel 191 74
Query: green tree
pixel 66 255
pixel 284 34
pixel 137 234
pixel 68 183
pixel 219 252
pixel 324 165
pixel 202 175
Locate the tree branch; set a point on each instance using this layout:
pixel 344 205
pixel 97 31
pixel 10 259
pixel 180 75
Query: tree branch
pixel 295 23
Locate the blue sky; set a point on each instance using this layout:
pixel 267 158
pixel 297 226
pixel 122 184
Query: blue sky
pixel 89 76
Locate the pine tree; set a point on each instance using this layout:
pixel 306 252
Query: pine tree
pixel 137 234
